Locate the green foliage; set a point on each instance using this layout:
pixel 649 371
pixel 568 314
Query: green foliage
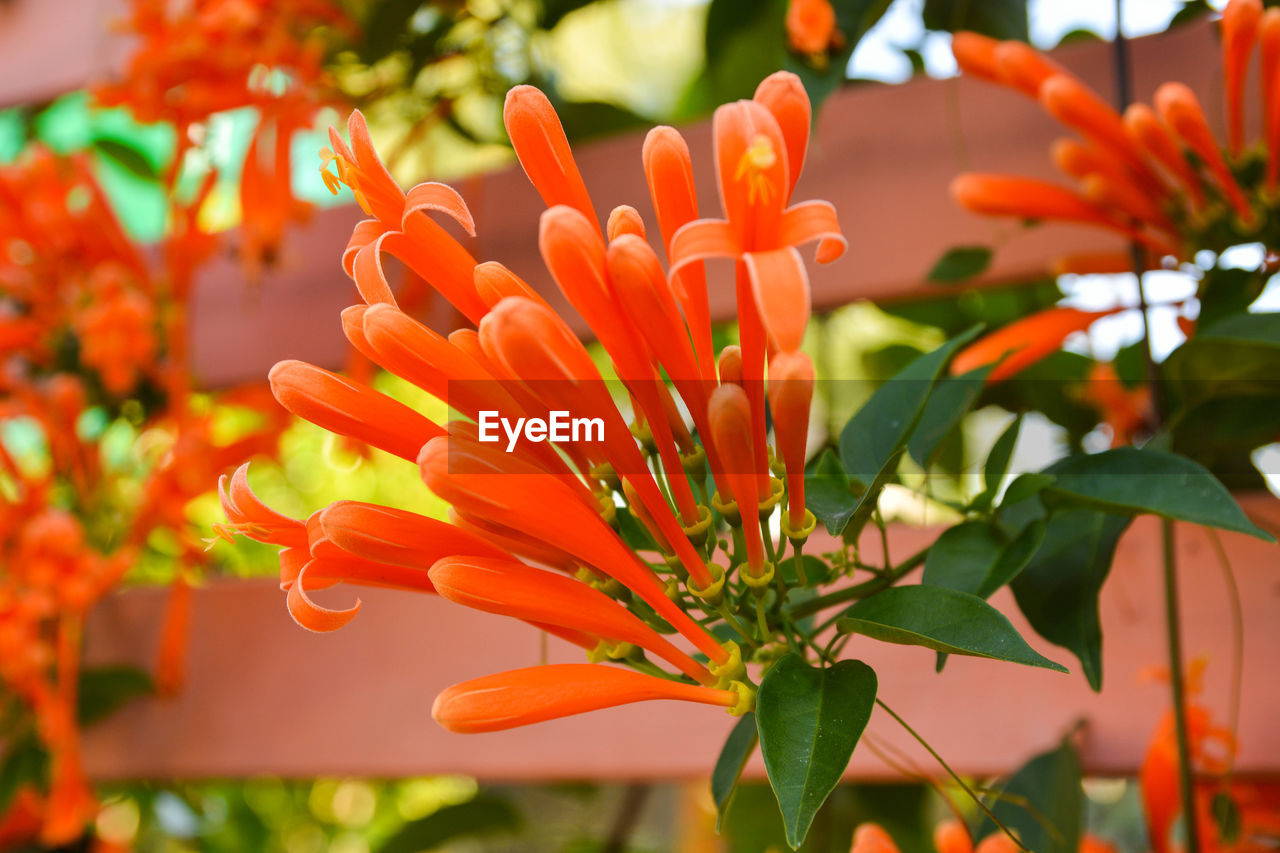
pixel 25 763
pixel 997 465
pixel 1042 802
pixel 737 749
pixel 960 263
pixel 1131 481
pixel 810 720
pixel 103 690
pixel 941 619
pixel 1058 589
pixel 825 74
pixel 829 493
pixel 485 815
pixel 1002 19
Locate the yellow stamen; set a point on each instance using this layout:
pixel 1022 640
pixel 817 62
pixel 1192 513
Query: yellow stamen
pixel 753 167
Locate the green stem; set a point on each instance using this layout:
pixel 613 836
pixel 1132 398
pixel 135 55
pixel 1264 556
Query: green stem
pixel 798 547
pixel 732 621
pixel 1178 688
pixel 862 590
pixel 953 775
pixel 1237 637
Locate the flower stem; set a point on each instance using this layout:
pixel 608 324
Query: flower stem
pixel 1178 687
pixel 953 775
pixel 1237 651
pixel 862 590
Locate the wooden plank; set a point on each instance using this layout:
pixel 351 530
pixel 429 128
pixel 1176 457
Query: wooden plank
pixel 884 155
pixel 51 47
pixel 265 696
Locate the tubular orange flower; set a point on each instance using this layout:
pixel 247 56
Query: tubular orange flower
pixel 1078 107
pixel 1270 39
pixel 976 55
pixel 1124 411
pixel 1028 198
pixel 668 169
pixel 1024 68
pixel 524 498
pixel 791 381
pixel 538 138
pixel 509 587
pixel 1022 343
pixel 871 838
pixel 624 219
pixel 1152 137
pixel 951 836
pixel 730 415
pixel 348 408
pixel 521 697
pixel 1240 23
pixel 174 630
pixel 1180 108
pixel 811 26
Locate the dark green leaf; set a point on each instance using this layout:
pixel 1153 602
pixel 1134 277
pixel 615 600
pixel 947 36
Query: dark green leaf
pixel 810 719
pixel 554 10
pixel 1237 355
pixel 1026 486
pixel 485 815
pixel 1058 590
pixel 1131 481
pixel 1014 558
pixel 962 557
pixel 104 689
pixel 1226 816
pixel 998 463
pixel 746 42
pixel 733 757
pixel 941 619
pixel 828 493
pixel 875 438
pixel 950 401
pixel 960 263
pixel 130 159
pixel 25 763
pixel 1043 803
pixel 1002 19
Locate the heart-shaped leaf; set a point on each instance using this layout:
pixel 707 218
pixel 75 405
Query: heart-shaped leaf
pixel 1130 481
pixel 810 719
pixel 941 619
pixel 960 263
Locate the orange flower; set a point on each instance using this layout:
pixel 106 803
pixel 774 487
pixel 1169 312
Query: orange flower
pixel 1124 411
pixel 1158 176
pixel 521 697
pixel 791 383
pixel 871 838
pixel 1240 24
pixel 730 413
pixel 1022 343
pixel 811 26
pixel 509 587
pixel 951 836
pixel 174 630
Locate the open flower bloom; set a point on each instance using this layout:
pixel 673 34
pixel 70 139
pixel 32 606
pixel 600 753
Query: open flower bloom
pixel 535 532
pixel 1156 174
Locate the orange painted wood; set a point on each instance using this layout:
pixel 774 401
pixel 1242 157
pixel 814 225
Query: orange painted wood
pixel 885 155
pixel 265 696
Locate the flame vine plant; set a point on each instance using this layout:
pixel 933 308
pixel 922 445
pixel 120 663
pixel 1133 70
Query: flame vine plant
pixel 674 557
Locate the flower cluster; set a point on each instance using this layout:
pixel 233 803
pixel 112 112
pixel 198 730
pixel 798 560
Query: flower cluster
pixel 534 534
pixel 1156 174
pixel 197 59
pixel 90 336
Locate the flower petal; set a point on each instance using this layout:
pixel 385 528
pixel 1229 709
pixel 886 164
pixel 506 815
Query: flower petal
pixel 813 220
pixel 781 287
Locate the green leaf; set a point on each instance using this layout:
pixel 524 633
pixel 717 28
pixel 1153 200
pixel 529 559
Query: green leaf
pixel 941 619
pixel 1226 817
pixel 1131 481
pixel 733 757
pixel 1014 558
pixel 129 158
pixel 745 42
pixel 1235 356
pixel 485 815
pixel 103 690
pixel 960 263
pixel 810 719
pixel 875 438
pixel 952 398
pixel 1043 802
pixel 998 464
pixel 962 557
pixel 1002 19
pixel 1026 486
pixel 25 763
pixel 1058 590
pixel 828 493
